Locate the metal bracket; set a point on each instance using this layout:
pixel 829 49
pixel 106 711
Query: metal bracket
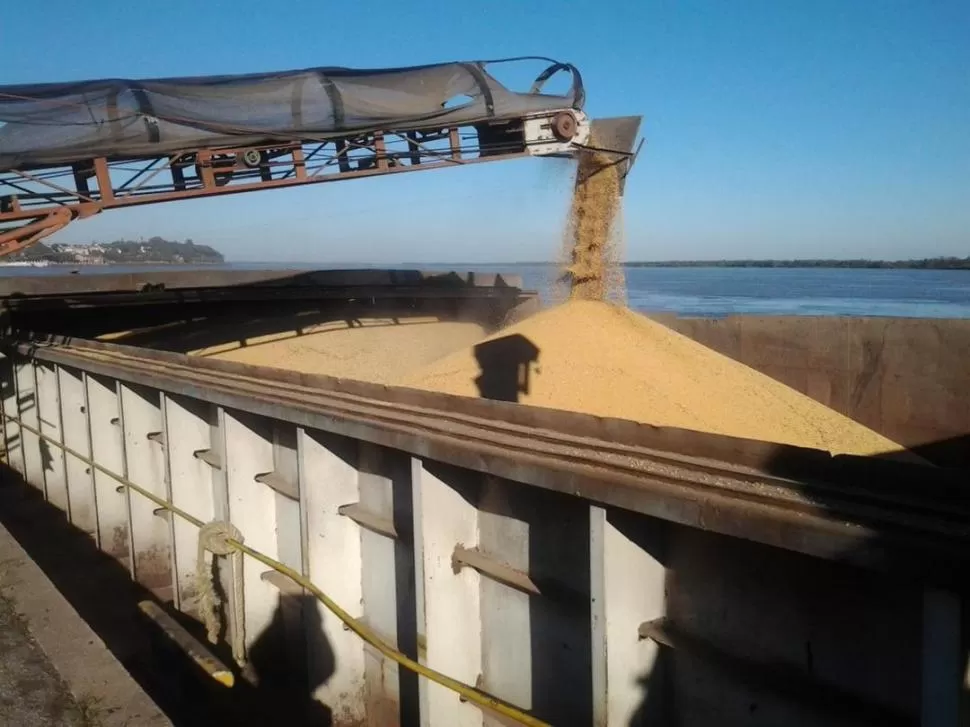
pixel 541 140
pixel 188 643
pixel 491 568
pixel 286 585
pixel 366 519
pixel 210 457
pixel 276 481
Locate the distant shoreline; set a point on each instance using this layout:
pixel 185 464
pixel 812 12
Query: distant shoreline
pixel 58 264
pixel 154 251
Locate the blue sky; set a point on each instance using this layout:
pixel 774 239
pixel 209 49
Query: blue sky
pixel 775 128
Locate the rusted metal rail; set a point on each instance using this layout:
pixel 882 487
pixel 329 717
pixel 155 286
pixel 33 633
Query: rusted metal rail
pixel 50 198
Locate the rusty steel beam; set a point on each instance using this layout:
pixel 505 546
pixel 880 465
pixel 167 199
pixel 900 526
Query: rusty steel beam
pixel 869 512
pixel 35 203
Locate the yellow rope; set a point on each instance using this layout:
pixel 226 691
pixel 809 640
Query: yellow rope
pixel 470 693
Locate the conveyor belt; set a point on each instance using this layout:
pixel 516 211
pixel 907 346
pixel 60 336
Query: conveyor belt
pixel 72 150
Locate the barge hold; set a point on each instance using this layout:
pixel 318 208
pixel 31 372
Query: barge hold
pixel 412 557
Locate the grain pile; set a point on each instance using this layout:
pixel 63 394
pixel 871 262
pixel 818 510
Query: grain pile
pixel 374 349
pixel 597 358
pixel 378 350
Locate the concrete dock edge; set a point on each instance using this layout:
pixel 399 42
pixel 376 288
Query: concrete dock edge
pixel 92 673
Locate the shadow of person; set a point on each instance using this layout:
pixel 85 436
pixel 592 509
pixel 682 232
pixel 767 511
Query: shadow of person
pixel 505 365
pixel 280 680
pixel 656 707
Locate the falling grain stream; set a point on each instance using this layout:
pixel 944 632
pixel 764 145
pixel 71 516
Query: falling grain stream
pixel 593 237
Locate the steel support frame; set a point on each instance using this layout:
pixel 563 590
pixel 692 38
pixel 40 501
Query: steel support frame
pixel 37 202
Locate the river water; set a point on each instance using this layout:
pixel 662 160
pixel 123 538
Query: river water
pixel 713 291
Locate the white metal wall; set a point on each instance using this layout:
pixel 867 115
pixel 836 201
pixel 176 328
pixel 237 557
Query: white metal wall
pixel 563 610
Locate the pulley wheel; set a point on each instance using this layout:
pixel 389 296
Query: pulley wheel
pixel 564 126
pixel 252 158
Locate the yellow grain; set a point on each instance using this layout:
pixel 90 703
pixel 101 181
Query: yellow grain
pixel 593 239
pixel 597 358
pixel 374 349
